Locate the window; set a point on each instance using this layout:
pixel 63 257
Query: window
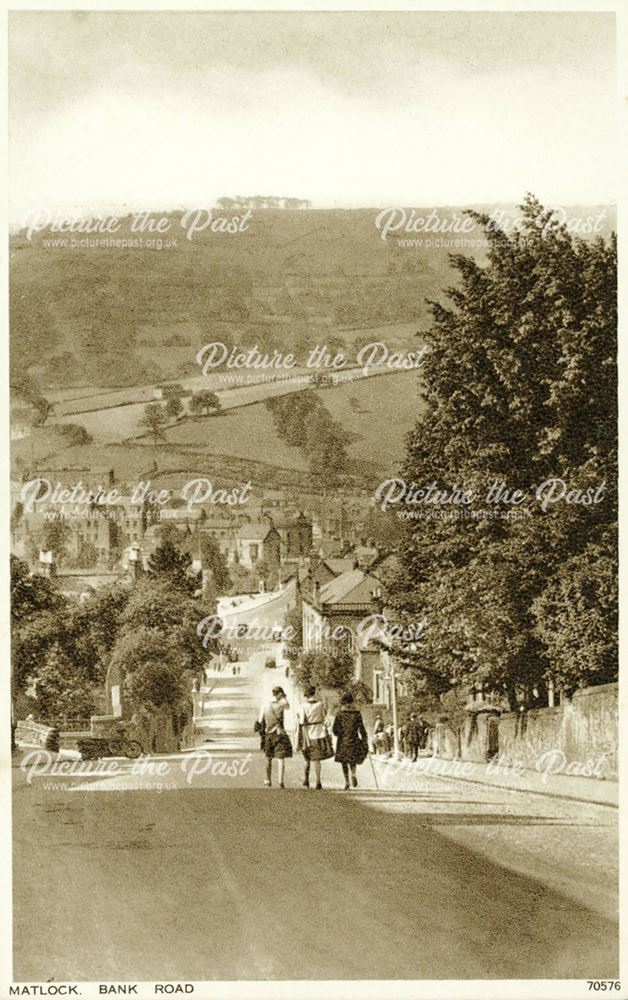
pixel 254 551
pixel 380 688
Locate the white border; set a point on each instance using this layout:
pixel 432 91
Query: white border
pixel 275 990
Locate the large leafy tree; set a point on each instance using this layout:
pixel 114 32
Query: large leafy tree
pixel 324 669
pixel 155 684
pixel 171 616
pixel 216 563
pixel 203 402
pixel 169 563
pixel 93 625
pixel 158 647
pixel 302 420
pixel 155 420
pixel 64 690
pixel 37 620
pixel 519 387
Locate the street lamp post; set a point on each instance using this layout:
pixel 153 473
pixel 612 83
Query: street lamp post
pixel 392 679
pixel 389 672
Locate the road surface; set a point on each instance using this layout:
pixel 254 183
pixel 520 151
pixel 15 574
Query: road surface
pixel 215 877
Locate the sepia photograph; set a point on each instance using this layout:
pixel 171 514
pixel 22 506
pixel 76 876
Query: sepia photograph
pixel 313 502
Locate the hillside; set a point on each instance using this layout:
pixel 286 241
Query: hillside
pixel 109 317
pixel 244 440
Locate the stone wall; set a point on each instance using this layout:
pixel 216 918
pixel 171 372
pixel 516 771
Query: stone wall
pixel 583 734
pixel 583 729
pixel 31 733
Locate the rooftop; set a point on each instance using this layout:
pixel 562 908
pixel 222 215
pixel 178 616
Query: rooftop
pixel 257 531
pixel 354 587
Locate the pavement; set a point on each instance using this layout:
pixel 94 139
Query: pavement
pixel 184 867
pixel 404 775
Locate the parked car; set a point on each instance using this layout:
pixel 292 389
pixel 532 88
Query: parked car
pixel 271 663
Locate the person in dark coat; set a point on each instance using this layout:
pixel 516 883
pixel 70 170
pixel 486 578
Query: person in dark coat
pixel 414 730
pixel 351 746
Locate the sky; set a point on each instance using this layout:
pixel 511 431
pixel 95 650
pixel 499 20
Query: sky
pixel 127 111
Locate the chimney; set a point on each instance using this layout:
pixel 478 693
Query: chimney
pixel 376 595
pixel 316 590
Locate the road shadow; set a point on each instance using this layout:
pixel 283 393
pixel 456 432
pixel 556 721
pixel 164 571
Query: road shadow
pixel 282 885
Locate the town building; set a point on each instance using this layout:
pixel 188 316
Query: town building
pixel 295 531
pixel 346 600
pixel 258 542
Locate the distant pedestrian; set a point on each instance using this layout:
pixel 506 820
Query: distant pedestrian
pixel 276 741
pixel 314 740
pixel 425 734
pixel 414 734
pixel 379 736
pixel 352 746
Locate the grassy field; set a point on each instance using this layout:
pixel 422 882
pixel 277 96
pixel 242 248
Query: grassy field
pixel 243 442
pixel 377 411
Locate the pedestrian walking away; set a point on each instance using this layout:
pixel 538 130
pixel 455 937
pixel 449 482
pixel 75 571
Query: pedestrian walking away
pixel 414 732
pixel 314 740
pixel 276 740
pixel 352 745
pixel 379 736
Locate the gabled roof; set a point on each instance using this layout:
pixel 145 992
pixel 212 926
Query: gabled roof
pixel 354 587
pixel 256 531
pixel 340 565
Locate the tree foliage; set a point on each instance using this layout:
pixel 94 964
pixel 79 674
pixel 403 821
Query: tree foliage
pixel 156 683
pixel 302 420
pixel 154 420
pixel 36 612
pixel 324 670
pixel 204 402
pixel 216 563
pixel 519 387
pixel 174 566
pixel 63 688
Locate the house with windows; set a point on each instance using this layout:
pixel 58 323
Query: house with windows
pixel 334 614
pixel 223 530
pixel 295 531
pixel 345 615
pixel 258 542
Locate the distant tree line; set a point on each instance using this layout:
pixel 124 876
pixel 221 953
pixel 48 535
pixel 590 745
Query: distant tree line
pixel 156 416
pixel 302 421
pixel 261 201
